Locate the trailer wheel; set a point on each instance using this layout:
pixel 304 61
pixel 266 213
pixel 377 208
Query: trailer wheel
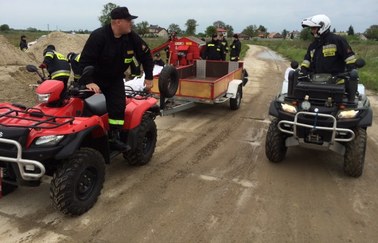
pixel 275 148
pixel 354 157
pixel 235 102
pixel 146 143
pixel 77 182
pixel 168 81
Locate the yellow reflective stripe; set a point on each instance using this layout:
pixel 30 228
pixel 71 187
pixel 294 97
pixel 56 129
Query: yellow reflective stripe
pixel 60 56
pixel 135 61
pixel 60 73
pixel 77 58
pixel 218 49
pixel 49 54
pixel 305 63
pixel 351 59
pixel 341 81
pixel 210 44
pixel 128 60
pixel 77 76
pixel 116 122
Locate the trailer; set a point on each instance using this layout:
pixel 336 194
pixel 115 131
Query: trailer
pixel 203 81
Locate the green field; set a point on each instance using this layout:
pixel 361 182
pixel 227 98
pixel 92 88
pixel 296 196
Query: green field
pixel 296 49
pixel 14 36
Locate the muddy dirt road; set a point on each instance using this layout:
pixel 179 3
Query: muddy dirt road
pixel 209 181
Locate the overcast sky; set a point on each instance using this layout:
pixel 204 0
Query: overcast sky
pixel 275 15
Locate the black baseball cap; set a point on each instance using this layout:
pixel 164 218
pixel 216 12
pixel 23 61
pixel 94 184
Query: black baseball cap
pixel 121 13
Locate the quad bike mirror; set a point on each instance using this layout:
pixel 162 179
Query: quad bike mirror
pixel 294 64
pixel 31 68
pixel 360 63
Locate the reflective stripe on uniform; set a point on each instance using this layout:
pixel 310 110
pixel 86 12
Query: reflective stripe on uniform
pixel 49 54
pixel 128 60
pixel 60 73
pixel 116 122
pixel 77 58
pixel 306 64
pixel 350 60
pixel 341 81
pixel 135 61
pixel 210 44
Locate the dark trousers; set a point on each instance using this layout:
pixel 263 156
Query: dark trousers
pixel 114 92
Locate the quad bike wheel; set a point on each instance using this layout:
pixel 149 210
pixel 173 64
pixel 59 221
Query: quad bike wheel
pixel 235 102
pixel 146 143
pixel 77 183
pixel 7 188
pixel 275 148
pixel 168 81
pixel 354 157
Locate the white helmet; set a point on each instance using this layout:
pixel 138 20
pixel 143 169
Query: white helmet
pixel 321 21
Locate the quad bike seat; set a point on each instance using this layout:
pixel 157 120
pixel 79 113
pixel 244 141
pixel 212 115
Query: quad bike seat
pixel 95 105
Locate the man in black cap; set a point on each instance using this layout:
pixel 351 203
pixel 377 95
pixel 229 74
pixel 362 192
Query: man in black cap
pixel 111 49
pixel 158 61
pixel 213 49
pixel 235 49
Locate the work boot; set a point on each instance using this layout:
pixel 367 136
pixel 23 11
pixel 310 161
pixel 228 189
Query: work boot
pixel 115 141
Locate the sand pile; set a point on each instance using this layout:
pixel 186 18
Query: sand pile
pixel 63 42
pixel 11 55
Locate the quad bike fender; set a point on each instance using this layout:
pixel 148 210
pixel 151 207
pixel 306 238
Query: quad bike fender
pixel 135 109
pixel 273 111
pixel 367 120
pixel 94 137
pixel 233 88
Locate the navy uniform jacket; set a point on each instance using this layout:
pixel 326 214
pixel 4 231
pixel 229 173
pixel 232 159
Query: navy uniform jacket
pixel 213 51
pixel 112 56
pixel 329 54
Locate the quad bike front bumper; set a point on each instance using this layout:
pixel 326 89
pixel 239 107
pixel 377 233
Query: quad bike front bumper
pixel 316 135
pixel 30 170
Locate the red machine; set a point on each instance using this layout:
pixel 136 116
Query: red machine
pixel 182 51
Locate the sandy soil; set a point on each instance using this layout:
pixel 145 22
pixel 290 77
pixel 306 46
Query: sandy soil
pixel 209 181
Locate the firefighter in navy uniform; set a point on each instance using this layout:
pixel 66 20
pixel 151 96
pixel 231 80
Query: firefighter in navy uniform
pixel 157 60
pixel 110 49
pixel 56 64
pixel 213 49
pixel 235 49
pixel 328 53
pixel 74 58
pixel 224 43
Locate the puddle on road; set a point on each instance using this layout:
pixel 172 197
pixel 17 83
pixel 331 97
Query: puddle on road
pixel 270 55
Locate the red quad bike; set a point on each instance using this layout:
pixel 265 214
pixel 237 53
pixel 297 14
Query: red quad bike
pixel 66 137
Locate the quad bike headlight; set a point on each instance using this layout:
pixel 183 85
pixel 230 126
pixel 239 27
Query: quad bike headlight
pixel 43 98
pixel 347 114
pixel 49 140
pixel 289 108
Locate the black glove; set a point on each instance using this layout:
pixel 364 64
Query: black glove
pixel 304 71
pixel 350 67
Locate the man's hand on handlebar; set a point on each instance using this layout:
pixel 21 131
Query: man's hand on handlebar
pixel 149 84
pixel 93 87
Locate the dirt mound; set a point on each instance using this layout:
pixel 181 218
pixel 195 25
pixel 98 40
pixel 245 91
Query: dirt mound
pixel 63 42
pixel 11 55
